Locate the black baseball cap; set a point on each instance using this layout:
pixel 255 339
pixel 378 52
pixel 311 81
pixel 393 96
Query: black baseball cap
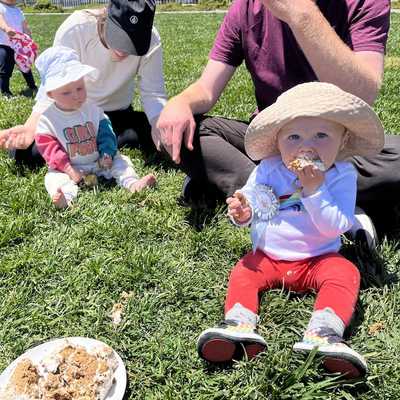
pixel 129 24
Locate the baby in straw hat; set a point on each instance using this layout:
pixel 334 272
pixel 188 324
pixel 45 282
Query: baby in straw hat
pixel 299 200
pixel 75 137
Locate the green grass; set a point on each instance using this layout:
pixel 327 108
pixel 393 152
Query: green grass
pixel 204 5
pixel 61 272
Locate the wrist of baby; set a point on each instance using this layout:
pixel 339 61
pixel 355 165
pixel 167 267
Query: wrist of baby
pixel 243 219
pixel 77 178
pixel 310 190
pixel 74 174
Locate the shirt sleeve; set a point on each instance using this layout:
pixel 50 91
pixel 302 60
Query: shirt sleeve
pixel 331 208
pixel 68 34
pixel 106 139
pixel 228 47
pixel 151 79
pixel 52 151
pixel 369 26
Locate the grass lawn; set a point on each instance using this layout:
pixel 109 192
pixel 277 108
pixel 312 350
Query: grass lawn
pixel 62 272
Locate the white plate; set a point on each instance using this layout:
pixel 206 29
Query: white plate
pixel 36 354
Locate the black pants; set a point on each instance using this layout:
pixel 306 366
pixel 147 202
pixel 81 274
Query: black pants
pixel 219 158
pixel 7 64
pixel 131 127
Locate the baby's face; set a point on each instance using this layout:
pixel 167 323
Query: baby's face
pixel 316 137
pixel 70 97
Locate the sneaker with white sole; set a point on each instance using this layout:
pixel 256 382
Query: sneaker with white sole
pixel 228 341
pixel 363 230
pixel 338 356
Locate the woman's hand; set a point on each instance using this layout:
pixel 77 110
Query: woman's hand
pixel 17 137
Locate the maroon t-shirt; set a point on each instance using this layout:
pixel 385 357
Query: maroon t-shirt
pixel 275 61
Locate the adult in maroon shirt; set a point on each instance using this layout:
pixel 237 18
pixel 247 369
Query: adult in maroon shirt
pixel 283 43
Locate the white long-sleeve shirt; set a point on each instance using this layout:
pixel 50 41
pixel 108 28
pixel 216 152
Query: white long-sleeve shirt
pixel 115 87
pixel 304 226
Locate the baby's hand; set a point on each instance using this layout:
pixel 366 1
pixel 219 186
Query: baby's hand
pixel 238 208
pixel 106 161
pixel 311 178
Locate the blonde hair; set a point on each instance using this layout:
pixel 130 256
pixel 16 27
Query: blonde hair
pixel 101 16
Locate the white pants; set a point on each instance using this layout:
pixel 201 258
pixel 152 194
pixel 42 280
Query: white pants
pixel 122 171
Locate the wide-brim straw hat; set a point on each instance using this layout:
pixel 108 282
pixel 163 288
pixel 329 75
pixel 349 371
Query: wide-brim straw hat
pixel 316 99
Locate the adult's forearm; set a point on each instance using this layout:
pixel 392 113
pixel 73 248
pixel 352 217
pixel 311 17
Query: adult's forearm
pixel 331 59
pixel 197 98
pixel 31 124
pixel 202 95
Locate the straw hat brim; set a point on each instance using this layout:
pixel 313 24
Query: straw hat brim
pixel 322 100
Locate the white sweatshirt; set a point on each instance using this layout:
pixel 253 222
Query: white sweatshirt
pixel 116 84
pixel 304 226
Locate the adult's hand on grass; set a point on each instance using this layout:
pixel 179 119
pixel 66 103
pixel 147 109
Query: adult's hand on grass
pixel 176 125
pixel 17 137
pixel 289 10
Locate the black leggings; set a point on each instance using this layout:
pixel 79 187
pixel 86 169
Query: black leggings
pixel 7 63
pixel 131 127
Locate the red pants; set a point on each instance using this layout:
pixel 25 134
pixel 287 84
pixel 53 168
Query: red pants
pixel 335 279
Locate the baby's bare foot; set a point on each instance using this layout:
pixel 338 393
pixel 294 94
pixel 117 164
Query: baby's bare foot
pixel 147 181
pixel 59 199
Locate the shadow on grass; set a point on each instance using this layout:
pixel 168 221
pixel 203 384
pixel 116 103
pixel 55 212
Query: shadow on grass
pixel 22 168
pixel 371 265
pixel 128 392
pixel 200 218
pixel 210 368
pixel 305 376
pixel 158 160
pixel 373 272
pixel 28 93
